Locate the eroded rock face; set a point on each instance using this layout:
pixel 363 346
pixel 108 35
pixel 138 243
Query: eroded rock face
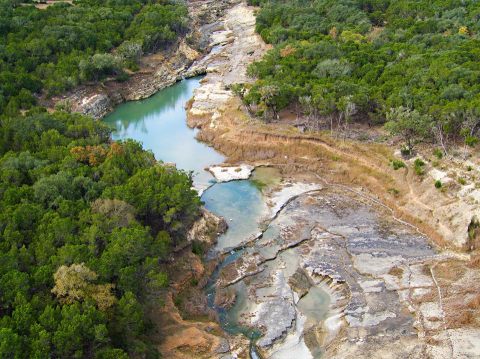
pixel 157 71
pixel 95 106
pixel 391 295
pixel 207 228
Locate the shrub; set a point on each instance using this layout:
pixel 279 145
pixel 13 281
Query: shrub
pixel 438 184
pixel 393 191
pixel 405 151
pixel 198 248
pixel 397 164
pixel 419 167
pixel 462 181
pixel 438 153
pixel 471 141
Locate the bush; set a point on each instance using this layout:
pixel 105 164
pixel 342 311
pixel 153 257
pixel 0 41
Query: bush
pixel 397 164
pixel 419 167
pixel 198 248
pixel 438 184
pixel 471 141
pixel 394 192
pixel 405 151
pixel 462 181
pixel 438 153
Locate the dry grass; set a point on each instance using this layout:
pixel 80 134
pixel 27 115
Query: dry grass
pixel 474 303
pixel 475 261
pixel 396 271
pixel 460 319
pixel 340 161
pixel 450 271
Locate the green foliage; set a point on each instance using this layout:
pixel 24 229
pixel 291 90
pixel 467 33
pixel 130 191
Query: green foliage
pixel 413 63
pixel 198 248
pixel 394 192
pixel 57 48
pixel 462 181
pixel 419 167
pixel 438 153
pixel 397 164
pixel 471 141
pixel 409 124
pixel 85 227
pixel 438 184
pixel 163 197
pixel 158 24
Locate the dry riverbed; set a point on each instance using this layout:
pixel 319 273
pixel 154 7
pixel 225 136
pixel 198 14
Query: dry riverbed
pixel 373 245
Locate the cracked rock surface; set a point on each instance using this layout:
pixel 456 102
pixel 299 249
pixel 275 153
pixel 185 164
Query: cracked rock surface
pixel 380 275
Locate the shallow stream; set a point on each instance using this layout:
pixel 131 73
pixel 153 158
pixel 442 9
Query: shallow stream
pixel 159 123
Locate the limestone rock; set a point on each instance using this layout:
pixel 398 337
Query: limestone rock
pixel 207 227
pixel 227 173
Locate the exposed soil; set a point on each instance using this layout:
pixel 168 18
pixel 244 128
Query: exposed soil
pixel 444 309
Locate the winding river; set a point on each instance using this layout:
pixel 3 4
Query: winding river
pixel 331 230
pixel 159 123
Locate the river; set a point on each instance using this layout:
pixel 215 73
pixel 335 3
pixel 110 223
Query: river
pixel 159 123
pixel 330 231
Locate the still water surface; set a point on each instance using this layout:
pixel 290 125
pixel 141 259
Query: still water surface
pixel 159 123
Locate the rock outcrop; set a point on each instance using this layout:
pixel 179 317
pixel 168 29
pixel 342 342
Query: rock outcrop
pixel 391 294
pixel 207 228
pixel 231 173
pixel 234 46
pixel 157 71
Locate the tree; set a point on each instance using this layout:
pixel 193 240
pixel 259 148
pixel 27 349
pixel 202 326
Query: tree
pixel 409 124
pixel 54 167
pixel 269 95
pixel 10 344
pixel 130 51
pixel 13 284
pixel 163 197
pixel 74 284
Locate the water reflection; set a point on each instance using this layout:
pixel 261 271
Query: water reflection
pixel 159 122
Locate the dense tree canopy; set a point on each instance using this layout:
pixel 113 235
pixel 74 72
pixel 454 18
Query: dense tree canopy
pixel 86 226
pixel 356 60
pixel 56 48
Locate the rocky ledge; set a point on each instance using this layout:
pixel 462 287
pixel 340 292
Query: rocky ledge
pixel 389 293
pixel 157 71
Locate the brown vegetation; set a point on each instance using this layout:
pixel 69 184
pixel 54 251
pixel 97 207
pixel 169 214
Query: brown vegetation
pixel 355 164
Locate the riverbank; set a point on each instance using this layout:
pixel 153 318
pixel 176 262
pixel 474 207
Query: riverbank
pixel 407 307
pixel 156 71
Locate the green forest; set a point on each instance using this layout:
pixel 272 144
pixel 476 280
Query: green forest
pixel 410 63
pixel 52 50
pixel 86 227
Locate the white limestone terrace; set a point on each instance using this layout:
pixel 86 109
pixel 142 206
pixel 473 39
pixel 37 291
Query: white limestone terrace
pixel 224 173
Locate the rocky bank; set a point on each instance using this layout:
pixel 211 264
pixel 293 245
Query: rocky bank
pixel 380 253
pixel 389 292
pixel 156 71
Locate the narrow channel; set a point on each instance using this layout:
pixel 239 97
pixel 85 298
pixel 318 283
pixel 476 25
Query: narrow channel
pixel 159 123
